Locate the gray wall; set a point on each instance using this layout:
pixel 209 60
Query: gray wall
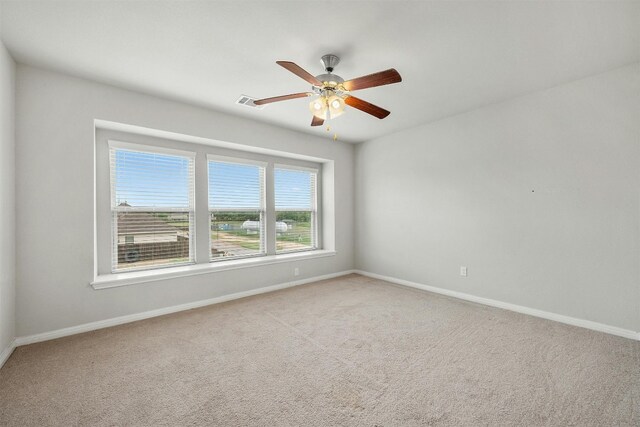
pixel 537 196
pixel 7 199
pixel 55 199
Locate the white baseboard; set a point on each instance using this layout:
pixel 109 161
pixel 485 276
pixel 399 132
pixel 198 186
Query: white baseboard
pixel 4 356
pixel 588 324
pixel 45 336
pixel 86 327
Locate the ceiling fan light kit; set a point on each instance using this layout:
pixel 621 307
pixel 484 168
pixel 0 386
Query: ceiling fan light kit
pixel 332 92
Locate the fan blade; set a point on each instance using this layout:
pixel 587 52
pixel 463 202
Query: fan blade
pixel 300 72
pixel 316 121
pixel 282 98
pixel 382 78
pixel 361 105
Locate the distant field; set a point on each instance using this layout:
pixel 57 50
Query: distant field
pixel 298 237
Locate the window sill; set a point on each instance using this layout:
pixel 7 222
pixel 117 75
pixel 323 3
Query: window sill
pixel 105 281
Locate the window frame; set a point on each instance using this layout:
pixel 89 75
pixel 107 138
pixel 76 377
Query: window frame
pixel 314 206
pixel 169 143
pixel 114 145
pixel 263 203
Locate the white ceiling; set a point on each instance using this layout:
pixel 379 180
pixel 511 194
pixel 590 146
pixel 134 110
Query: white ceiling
pixel 453 56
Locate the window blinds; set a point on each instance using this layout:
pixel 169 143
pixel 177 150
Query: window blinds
pixel 152 205
pixel 236 206
pixel 295 203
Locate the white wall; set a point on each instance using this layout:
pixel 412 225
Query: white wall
pixel 537 196
pixel 55 179
pixel 7 199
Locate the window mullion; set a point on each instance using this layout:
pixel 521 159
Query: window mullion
pixel 270 211
pixel 202 216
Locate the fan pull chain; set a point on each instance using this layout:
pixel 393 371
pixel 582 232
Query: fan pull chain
pixel 335 135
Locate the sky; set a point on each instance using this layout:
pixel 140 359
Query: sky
pixel 151 180
pixel 163 181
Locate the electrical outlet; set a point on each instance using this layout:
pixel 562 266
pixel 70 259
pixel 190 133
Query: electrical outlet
pixel 296 271
pixel 463 271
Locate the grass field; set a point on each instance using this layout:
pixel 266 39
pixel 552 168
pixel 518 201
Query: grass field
pixel 231 232
pixel 298 237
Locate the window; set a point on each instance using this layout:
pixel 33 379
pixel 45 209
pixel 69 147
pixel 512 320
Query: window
pixel 152 207
pixel 162 202
pixel 295 203
pixel 236 209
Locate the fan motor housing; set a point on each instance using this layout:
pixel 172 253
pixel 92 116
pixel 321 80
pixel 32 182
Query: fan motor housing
pixel 332 79
pixel 329 80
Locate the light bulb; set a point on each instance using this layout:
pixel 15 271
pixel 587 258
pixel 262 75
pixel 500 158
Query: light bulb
pixel 336 106
pixel 319 107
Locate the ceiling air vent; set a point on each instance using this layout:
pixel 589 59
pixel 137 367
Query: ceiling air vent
pixel 247 101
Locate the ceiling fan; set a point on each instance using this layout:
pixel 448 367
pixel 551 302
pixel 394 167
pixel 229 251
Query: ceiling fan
pixel 333 93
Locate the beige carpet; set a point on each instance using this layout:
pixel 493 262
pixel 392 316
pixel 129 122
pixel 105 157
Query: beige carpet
pixel 348 351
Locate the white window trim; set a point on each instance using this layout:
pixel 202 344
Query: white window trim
pixel 106 281
pixel 113 135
